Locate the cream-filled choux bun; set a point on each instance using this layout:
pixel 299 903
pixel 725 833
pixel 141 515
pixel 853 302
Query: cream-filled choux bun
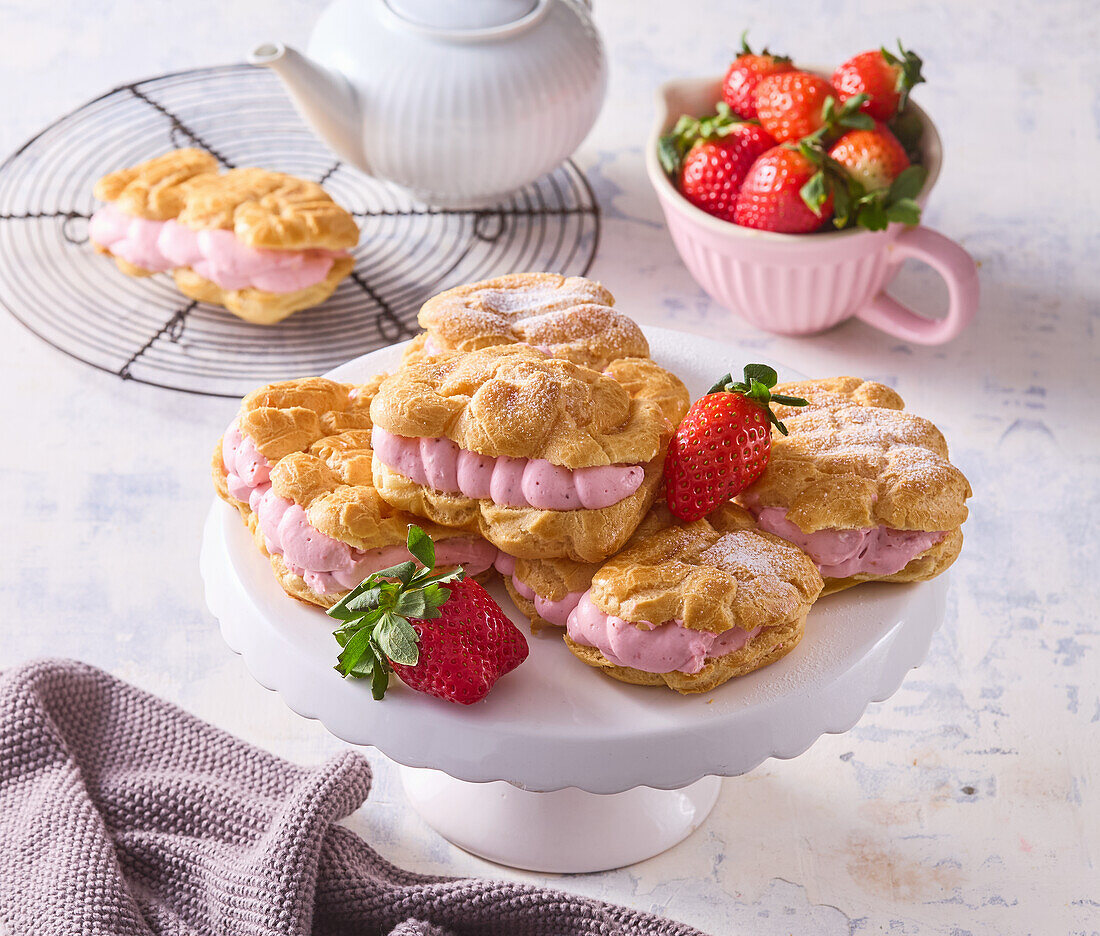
pixel 865 488
pixel 296 463
pixel 545 458
pixel 566 317
pixel 547 590
pixel 262 244
pixel 691 606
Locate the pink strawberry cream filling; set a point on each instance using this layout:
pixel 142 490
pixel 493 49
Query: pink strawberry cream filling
pixel 652 648
pixel 327 565
pixel 878 550
pixel 216 255
pixel 555 612
pixel 511 482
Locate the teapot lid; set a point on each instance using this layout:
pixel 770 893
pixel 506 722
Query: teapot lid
pixel 462 15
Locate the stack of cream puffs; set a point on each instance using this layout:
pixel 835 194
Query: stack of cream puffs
pixel 526 432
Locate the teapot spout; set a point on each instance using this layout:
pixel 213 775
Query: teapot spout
pixel 323 97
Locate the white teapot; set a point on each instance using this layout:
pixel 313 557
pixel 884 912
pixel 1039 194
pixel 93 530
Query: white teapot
pixel 459 101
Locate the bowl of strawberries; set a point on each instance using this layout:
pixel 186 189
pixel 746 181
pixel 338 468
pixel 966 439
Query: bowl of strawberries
pixel 794 196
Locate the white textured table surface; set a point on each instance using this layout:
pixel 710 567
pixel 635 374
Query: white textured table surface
pixel 968 803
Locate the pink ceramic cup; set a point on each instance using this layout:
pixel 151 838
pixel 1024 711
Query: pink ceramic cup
pixel 798 284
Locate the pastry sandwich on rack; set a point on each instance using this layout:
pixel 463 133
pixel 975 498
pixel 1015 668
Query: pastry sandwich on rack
pixel 545 458
pixel 565 317
pixel 692 606
pixel 865 488
pixel 262 244
pixel 296 463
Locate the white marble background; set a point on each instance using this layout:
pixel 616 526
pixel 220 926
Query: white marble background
pixel 967 803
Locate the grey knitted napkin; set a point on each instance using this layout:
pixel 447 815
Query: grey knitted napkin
pixel 121 814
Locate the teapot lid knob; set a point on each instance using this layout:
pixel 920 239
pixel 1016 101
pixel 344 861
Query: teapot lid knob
pixel 462 14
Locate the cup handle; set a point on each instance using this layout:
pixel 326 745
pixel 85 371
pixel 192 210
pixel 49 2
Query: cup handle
pixel 958 270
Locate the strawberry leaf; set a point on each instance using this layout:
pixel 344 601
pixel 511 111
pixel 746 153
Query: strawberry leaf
pixel 435 596
pixel 357 647
pixel 397 639
pixel 762 373
pixel 847 115
pixel 411 604
pixel 872 215
pixel 908 183
pixel 857 122
pixel 789 400
pixel 668 152
pixel 815 192
pixel 403 572
pixel 909 76
pixel 421 547
pixel 904 211
pixel 379 682
pixel 366 600
pixel 427 578
pixel 842 205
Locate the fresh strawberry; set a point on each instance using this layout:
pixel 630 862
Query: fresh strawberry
pixel 723 443
pixel 441 633
pixel 882 186
pixel 713 171
pixel 885 78
pixel 745 73
pixel 708 158
pixel 874 158
pixel 791 105
pixel 466 649
pixel 786 191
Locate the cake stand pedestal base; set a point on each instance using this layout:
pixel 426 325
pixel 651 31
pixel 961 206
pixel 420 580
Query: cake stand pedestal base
pixel 567 831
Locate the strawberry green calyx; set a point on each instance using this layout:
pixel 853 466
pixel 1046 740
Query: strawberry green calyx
pixel 847 115
pixel 830 178
pixel 746 49
pixel 672 147
pixel 759 379
pixel 875 210
pixel 375 628
pixel 909 65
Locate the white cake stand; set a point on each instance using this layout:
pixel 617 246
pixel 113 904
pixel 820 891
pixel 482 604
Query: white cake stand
pixel 562 769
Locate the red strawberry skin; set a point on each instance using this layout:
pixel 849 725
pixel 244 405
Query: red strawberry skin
pixel 721 446
pixel 465 650
pixel 789 105
pixel 770 198
pixel 713 170
pixel 744 74
pixel 873 157
pixel 869 73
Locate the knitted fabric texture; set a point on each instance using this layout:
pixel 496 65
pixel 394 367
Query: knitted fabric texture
pixel 121 814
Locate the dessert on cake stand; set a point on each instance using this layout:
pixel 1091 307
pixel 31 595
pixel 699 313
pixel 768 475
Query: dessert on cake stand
pixel 562 769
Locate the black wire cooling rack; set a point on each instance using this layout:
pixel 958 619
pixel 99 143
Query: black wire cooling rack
pixel 145 331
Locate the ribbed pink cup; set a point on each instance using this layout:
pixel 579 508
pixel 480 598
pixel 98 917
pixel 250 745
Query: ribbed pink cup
pixel 798 284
